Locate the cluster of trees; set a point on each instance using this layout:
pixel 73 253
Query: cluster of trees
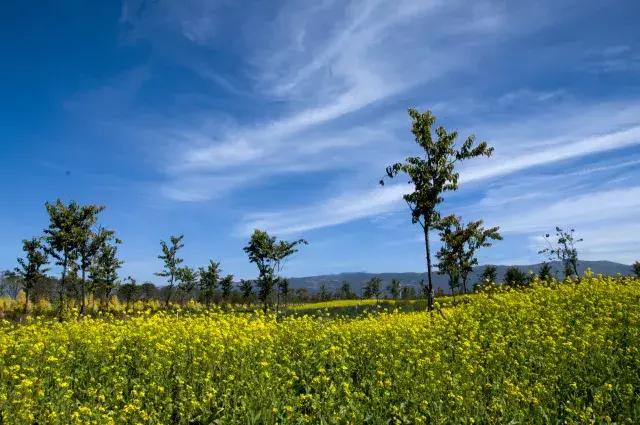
pixel 87 253
pixel 87 256
pixel 431 175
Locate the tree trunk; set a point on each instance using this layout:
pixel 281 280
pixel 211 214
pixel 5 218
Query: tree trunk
pixel 82 292
pixel 429 279
pixel 61 289
pixel 169 290
pixel 26 300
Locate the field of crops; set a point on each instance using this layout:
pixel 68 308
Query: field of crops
pixel 561 352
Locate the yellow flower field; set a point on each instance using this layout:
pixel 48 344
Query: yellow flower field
pixel 561 352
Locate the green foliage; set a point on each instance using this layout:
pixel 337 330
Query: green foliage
pixel 489 275
pixel 30 269
pixel 514 277
pixel 246 289
pixel 371 289
pixel 394 289
pixel 69 238
pixel 345 291
pixel 187 279
pixel 226 286
pixel 564 250
pixel 129 291
pixel 268 254
pixel 407 292
pixel 323 293
pixel 636 268
pixel 545 273
pixel 103 272
pixel 460 242
pixel 209 280
pixel 171 263
pixel 433 173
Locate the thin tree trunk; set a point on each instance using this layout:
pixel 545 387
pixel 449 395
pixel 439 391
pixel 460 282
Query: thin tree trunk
pixel 82 292
pixel 26 301
pixel 61 288
pixel 169 290
pixel 429 279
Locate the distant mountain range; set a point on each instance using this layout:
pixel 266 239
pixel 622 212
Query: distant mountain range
pixel 358 279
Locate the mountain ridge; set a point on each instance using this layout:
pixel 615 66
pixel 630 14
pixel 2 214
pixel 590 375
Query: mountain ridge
pixel 357 279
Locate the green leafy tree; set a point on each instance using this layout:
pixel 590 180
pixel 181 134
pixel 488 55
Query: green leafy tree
pixel 246 289
pixel 394 289
pixel 148 291
pixel 489 275
pixel 283 290
pixel 323 293
pixel 30 269
pixel 636 268
pixel 515 277
pixel 209 280
pixel 187 279
pixel 372 288
pixel 268 254
pixel 448 264
pixel 129 291
pixel 345 291
pixel 62 241
pixel 563 250
pixel 460 243
pixel 226 286
pixel 408 292
pixel 545 273
pixel 433 174
pixel 89 243
pixel 10 284
pixel 171 263
pixel 103 272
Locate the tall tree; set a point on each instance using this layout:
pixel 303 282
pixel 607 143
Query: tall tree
pixel 372 288
pixel 545 273
pixel 226 286
pixel 171 263
pixel 460 243
pixel 283 290
pixel 408 292
pixel 187 279
pixel 89 243
pixel 129 290
pixel 148 291
pixel 345 291
pixel 246 288
pixel 30 268
pixel 10 284
pixel 209 279
pixel 514 277
pixel 433 174
pixel 268 254
pixel 323 293
pixel 62 238
pixel 104 269
pixel 636 268
pixel 489 275
pixel 394 289
pixel 564 250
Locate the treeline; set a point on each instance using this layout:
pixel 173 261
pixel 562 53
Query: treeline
pixel 86 253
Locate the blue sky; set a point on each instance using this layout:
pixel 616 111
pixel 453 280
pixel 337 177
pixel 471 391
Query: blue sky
pixel 209 118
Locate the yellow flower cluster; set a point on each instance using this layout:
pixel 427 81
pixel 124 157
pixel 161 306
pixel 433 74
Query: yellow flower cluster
pixel 559 353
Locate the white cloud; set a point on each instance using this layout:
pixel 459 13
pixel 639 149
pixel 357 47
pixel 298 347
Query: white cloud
pixel 506 164
pixel 340 209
